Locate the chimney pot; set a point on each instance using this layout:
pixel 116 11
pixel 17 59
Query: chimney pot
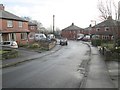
pixel 72 24
pixel 2 7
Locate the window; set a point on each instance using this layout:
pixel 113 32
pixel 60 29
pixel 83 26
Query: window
pixel 12 37
pixel 31 36
pixel 105 37
pixel 20 24
pixel 106 28
pixel 32 27
pixel 0 37
pixel 97 29
pixel 9 23
pixel 23 36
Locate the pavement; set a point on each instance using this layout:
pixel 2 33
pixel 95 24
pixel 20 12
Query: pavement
pixel 27 55
pixel 98 75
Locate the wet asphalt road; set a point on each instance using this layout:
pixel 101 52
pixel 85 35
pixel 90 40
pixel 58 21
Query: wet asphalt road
pixel 58 70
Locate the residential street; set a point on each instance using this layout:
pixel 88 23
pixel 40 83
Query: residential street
pixel 63 69
pixel 58 70
pixel 40 47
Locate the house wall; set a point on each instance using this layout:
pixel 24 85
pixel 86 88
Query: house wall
pixel 15 25
pixel 14 29
pixel 70 34
pixel 105 34
pixel 33 30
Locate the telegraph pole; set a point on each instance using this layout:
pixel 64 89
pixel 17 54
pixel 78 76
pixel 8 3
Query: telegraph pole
pixel 53 24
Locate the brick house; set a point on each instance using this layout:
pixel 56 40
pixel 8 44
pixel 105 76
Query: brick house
pixel 71 32
pixel 13 27
pixel 107 29
pixel 33 29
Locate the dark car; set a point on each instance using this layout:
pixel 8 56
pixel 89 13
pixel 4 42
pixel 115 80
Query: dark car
pixel 63 41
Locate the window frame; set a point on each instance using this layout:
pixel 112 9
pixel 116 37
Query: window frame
pixel 107 28
pixel 9 23
pixel 97 29
pixel 20 24
pixel 24 36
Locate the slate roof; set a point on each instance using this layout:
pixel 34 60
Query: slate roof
pixel 108 23
pixel 32 24
pixel 7 15
pixel 72 27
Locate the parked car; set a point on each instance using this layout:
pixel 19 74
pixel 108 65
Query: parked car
pixel 80 37
pixel 86 38
pixel 63 41
pixel 40 36
pixel 51 36
pixel 9 44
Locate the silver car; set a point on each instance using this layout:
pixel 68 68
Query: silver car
pixel 9 44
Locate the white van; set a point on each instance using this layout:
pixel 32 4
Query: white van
pixel 40 36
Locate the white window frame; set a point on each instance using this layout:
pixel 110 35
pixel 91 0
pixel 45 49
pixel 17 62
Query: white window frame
pixel 1 38
pixel 97 29
pixel 12 36
pixel 20 24
pixel 106 28
pixel 10 23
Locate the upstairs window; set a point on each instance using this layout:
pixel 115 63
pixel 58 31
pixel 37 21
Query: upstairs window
pixel 10 23
pixel 97 29
pixel 20 24
pixel 106 28
pixel 32 27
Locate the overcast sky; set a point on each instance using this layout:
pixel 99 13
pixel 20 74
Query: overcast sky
pixel 79 12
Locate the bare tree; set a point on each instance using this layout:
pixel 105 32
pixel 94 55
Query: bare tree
pixel 107 8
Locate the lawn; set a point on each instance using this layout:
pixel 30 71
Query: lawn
pixel 108 45
pixel 2 52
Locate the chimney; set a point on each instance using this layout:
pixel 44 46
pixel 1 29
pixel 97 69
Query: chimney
pixel 110 18
pixel 72 24
pixel 2 7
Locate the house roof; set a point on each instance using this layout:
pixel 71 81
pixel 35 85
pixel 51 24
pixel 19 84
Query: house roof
pixel 7 15
pixel 108 23
pixel 72 27
pixel 32 24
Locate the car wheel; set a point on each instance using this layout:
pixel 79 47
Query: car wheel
pixel 66 43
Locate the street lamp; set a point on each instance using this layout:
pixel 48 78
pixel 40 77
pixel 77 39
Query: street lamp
pixel 95 26
pixel 95 31
pixel 53 24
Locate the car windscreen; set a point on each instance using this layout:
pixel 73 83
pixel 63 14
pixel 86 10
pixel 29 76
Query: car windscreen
pixel 6 43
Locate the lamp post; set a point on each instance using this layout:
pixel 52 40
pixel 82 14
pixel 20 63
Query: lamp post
pixel 53 24
pixel 95 31
pixel 95 27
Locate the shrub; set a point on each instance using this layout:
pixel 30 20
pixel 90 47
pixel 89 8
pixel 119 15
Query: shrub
pixel 116 50
pixel 118 42
pixel 35 45
pixel 96 42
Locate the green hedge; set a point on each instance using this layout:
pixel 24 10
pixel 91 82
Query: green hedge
pixel 96 42
pixel 118 42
